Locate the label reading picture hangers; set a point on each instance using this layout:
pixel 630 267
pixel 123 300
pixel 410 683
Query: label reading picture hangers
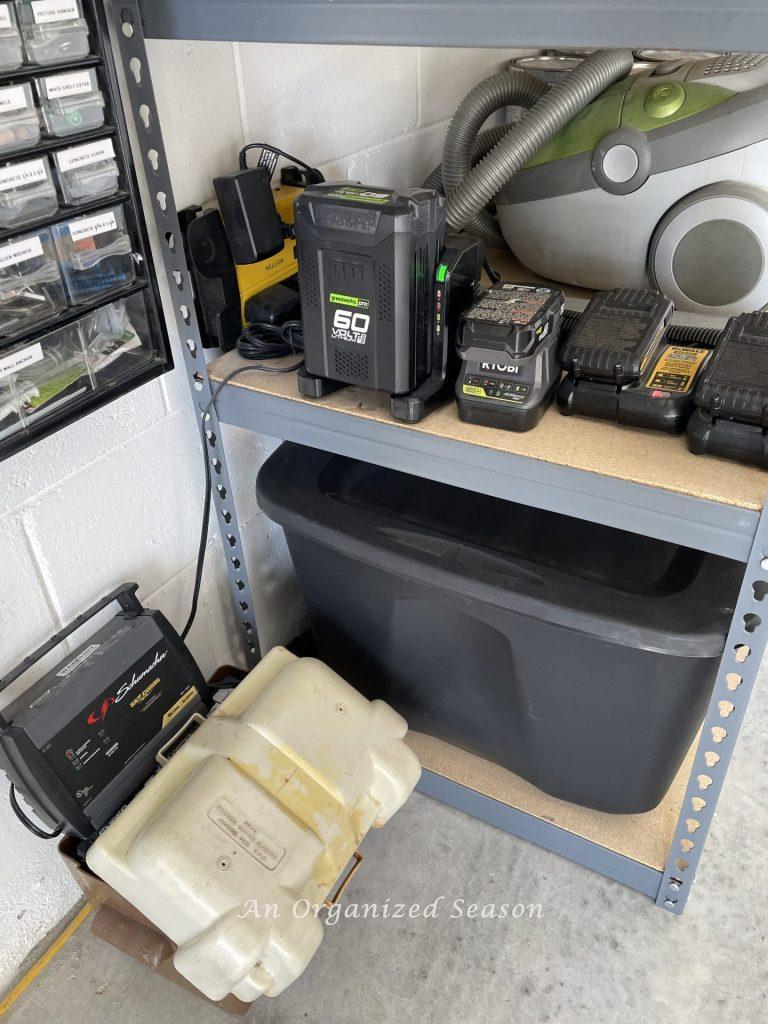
pixel 74 84
pixel 90 153
pixel 46 11
pixel 90 226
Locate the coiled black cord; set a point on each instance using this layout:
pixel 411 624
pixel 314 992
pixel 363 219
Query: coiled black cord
pixel 269 341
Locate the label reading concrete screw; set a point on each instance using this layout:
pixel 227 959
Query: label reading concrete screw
pixel 249 836
pixel 81 156
pixel 90 226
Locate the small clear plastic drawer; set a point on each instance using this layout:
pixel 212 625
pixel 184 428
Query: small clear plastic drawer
pixel 10 416
pixel 31 288
pixel 96 254
pixel 52 372
pixel 54 31
pixel 87 173
pixel 19 122
pixel 27 193
pixel 11 54
pixel 71 102
pixel 118 340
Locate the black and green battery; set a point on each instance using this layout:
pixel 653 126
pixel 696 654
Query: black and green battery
pixel 508 349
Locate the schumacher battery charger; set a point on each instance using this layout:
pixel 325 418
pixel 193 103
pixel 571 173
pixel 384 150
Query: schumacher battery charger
pixel 508 349
pixel 731 418
pixel 625 363
pixel 372 268
pixel 80 741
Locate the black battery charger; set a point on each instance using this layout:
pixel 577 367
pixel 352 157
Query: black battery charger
pixel 79 742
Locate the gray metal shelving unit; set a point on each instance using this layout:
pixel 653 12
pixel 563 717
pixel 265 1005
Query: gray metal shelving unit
pixel 736 529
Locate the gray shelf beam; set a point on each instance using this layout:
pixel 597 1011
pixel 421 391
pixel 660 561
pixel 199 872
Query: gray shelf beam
pixel 707 525
pixel 551 837
pixel 683 24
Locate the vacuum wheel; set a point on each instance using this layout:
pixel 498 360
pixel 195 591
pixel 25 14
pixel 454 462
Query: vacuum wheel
pixel 709 253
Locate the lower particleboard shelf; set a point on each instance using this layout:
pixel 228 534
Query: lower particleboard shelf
pixel 642 838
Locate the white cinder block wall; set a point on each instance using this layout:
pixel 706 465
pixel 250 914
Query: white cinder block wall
pixel 117 495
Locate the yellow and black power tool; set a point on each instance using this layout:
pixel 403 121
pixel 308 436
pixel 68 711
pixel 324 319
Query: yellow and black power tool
pixel 243 254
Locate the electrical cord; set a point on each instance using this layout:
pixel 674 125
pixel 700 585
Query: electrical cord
pixel 268 341
pixel 208 482
pixel 313 172
pixel 25 821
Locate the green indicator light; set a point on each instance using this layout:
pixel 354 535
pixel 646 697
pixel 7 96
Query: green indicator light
pixel 442 270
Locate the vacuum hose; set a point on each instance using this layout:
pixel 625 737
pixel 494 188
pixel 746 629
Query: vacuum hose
pixel 476 165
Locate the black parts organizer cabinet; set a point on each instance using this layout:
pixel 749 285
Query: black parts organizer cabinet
pixel 79 311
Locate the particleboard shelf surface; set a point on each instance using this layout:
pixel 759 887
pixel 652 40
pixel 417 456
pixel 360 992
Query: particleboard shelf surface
pixel 645 838
pixel 593 446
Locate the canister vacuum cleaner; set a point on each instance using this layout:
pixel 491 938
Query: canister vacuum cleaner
pixel 654 180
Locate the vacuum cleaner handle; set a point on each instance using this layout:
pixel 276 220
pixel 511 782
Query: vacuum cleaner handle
pixel 125 595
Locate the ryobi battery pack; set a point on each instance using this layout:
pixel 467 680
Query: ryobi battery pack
pixel 80 741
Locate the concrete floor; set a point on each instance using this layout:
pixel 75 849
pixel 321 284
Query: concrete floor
pixel 598 954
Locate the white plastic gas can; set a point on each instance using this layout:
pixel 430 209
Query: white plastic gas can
pixel 254 819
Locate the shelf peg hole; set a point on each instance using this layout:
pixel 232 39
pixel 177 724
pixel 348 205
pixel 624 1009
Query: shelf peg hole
pixel 211 438
pixel 675 884
pixel 222 491
pixel 154 159
pixel 682 864
pixel 764 563
pixel 759 589
pixel 236 564
pixel 726 708
pixel 135 65
pixel 686 845
pixel 178 279
pixel 162 201
pixel 192 348
pixel 742 652
pixel 733 680
pixel 247 627
pixel 751 622
pixel 226 515
pixel 185 314
pixel 692 824
pixel 711 758
pixel 704 781
pixel 145 115
pixel 197 380
pixel 231 540
pixel 127 27
pixel 170 241
pixel 239 583
pixel 216 465
pixel 244 605
pixel 719 733
pixel 698 803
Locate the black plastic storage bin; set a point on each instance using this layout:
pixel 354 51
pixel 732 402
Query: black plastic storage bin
pixel 579 656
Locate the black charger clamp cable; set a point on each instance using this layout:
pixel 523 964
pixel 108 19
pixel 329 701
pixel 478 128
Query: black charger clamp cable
pixel 208 482
pixel 27 823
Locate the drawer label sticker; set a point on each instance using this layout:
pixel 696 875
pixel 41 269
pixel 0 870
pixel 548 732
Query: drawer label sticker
pixel 18 252
pixel 248 835
pixel 22 174
pixel 90 226
pixel 13 98
pixel 90 153
pixel 18 360
pixel 68 85
pixel 5 16
pixel 46 11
